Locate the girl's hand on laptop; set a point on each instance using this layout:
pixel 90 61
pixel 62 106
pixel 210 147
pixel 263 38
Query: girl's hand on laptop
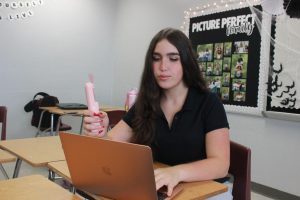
pixel 95 125
pixel 167 176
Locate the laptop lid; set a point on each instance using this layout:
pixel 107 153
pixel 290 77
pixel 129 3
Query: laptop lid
pixel 108 168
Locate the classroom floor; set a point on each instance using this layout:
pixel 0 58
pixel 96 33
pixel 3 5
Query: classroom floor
pixel 28 170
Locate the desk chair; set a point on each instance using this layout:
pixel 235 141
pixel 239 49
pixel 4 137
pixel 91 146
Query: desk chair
pixel 3 116
pixel 115 116
pixel 4 156
pixel 240 168
pixel 59 126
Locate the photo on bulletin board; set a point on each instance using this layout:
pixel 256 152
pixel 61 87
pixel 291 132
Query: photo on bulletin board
pixel 228 47
pixel 283 100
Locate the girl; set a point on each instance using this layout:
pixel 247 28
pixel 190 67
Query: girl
pixel 175 114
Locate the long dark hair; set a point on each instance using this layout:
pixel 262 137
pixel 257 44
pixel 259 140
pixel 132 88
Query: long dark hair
pixel 147 105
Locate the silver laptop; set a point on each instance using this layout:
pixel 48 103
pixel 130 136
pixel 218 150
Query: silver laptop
pixel 116 170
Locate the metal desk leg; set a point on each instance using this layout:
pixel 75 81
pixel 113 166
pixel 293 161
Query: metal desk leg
pixel 51 175
pixel 52 123
pixel 58 125
pixel 72 189
pixel 3 171
pixel 17 168
pixel 81 125
pixel 40 123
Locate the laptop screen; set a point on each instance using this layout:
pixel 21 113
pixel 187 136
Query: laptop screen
pixel 108 168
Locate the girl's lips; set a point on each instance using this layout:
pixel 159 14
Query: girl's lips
pixel 163 77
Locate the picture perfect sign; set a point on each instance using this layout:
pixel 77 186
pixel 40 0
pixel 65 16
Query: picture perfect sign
pixel 228 46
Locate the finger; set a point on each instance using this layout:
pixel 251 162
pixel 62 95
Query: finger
pixel 101 114
pixel 158 179
pixel 97 132
pixel 170 190
pixel 91 126
pixel 94 128
pixel 158 175
pixel 94 134
pixel 159 184
pixel 89 120
pixel 101 133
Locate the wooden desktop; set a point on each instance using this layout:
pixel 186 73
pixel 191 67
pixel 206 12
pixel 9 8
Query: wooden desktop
pixel 75 112
pixel 35 151
pixel 34 187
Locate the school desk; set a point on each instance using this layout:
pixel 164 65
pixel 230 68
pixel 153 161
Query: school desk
pixel 76 112
pixel 35 151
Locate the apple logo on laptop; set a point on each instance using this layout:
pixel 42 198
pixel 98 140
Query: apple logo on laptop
pixel 106 170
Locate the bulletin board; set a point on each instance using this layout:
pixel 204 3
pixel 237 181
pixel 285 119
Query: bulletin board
pixel 229 51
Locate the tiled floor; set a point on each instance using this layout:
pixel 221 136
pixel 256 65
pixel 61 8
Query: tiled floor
pixel 255 196
pixel 28 170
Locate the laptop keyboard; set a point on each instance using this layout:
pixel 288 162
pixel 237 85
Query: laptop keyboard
pixel 161 195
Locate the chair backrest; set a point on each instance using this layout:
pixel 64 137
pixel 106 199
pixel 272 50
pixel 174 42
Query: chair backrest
pixel 240 168
pixel 115 116
pixel 3 115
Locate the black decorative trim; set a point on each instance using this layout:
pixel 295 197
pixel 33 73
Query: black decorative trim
pixel 292 8
pixel 272 193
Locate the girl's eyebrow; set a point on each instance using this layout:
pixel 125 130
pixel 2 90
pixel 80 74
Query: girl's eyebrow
pixel 173 54
pixel 168 54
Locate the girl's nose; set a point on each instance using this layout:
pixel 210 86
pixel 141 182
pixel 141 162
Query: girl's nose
pixel 163 65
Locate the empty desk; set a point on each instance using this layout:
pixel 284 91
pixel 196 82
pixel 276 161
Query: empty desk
pixel 36 151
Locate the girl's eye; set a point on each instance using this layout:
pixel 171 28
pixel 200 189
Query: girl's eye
pixel 156 58
pixel 174 58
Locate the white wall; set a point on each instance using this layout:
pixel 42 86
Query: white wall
pixel 54 51
pixel 110 38
pixel 137 22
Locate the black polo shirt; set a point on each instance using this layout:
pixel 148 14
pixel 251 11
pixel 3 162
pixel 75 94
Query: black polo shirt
pixel 184 141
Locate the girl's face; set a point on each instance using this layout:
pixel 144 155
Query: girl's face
pixel 166 65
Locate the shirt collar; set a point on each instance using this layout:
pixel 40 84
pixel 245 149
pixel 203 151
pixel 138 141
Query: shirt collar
pixel 191 100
